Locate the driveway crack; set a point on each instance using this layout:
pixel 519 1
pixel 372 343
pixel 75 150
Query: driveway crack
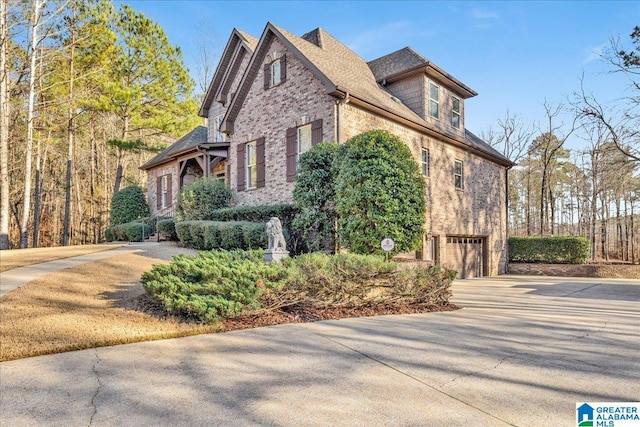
pixel 95 394
pixel 406 374
pixel 472 374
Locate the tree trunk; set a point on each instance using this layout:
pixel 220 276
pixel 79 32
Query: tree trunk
pixel 26 208
pixel 4 126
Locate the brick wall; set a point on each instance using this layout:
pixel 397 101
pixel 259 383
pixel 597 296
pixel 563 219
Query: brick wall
pixel 152 182
pixel 612 271
pixel 478 210
pixel 268 113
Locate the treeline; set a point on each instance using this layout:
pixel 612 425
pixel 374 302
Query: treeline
pixel 89 91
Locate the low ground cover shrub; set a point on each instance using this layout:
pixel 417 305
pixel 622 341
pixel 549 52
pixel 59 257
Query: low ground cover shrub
pixel 554 250
pixel 222 284
pixel 212 285
pixel 229 235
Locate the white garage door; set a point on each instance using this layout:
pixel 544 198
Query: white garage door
pixel 464 254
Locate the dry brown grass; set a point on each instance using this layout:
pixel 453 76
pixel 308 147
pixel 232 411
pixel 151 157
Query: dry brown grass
pixel 15 258
pixel 86 306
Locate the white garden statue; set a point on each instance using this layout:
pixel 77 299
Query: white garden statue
pixel 277 246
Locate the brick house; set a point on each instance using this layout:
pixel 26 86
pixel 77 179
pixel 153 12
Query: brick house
pixel 273 98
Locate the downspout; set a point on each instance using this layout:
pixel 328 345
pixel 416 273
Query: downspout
pixel 506 180
pixel 338 131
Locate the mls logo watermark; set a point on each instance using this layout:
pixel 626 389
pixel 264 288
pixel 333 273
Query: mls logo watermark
pixel 608 414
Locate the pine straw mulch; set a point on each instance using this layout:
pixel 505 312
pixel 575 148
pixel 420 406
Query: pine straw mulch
pixel 300 314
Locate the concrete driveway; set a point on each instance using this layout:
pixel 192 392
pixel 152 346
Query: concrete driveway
pixel 522 352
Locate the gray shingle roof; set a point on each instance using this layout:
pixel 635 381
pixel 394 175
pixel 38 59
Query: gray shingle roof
pixel 191 140
pixel 343 71
pixel 396 63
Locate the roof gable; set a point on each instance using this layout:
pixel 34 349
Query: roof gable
pixel 238 42
pixel 191 140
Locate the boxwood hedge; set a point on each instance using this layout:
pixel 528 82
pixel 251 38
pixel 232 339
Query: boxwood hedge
pixel 554 250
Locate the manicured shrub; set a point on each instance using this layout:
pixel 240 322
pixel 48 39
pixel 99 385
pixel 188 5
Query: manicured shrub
pixel 128 205
pixel 134 231
pixel 199 200
pixel 556 249
pixel 167 228
pixel 229 235
pixel 314 195
pixel 261 214
pixel 380 193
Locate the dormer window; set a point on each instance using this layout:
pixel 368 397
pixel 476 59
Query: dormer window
pixel 455 112
pixel 217 122
pixel 275 73
pixel 434 100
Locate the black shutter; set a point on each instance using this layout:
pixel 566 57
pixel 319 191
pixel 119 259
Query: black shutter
pixel 159 193
pixel 240 166
pixel 291 153
pixel 169 191
pixel 283 68
pixel 227 176
pixel 316 132
pixel 260 162
pixel 267 76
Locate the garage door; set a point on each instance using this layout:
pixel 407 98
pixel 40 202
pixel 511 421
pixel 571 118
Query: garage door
pixel 464 254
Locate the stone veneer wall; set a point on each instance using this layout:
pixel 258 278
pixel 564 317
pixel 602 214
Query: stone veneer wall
pixel 301 99
pixel 612 271
pixel 152 182
pixel 478 210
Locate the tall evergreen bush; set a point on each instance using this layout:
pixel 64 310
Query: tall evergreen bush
pixel 127 205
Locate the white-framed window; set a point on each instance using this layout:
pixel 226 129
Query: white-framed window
pixel 164 191
pixel 217 122
pixel 275 73
pixel 303 143
pixel 251 165
pixel 434 100
pixel 430 248
pixel 424 162
pixel 455 112
pixel 458 174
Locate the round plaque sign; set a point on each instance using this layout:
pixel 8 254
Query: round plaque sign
pixel 387 244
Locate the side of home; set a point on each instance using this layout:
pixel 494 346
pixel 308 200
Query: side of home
pixel 289 93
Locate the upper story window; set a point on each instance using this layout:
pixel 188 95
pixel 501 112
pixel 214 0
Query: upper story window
pixel 251 163
pixel 303 142
pixel 458 175
pixel 275 72
pixel 217 122
pixel 425 162
pixel 455 112
pixel 434 100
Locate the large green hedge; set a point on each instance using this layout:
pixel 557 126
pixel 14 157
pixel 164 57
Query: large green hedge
pixel 379 192
pixel 201 199
pixel 563 250
pixel 229 235
pixel 128 205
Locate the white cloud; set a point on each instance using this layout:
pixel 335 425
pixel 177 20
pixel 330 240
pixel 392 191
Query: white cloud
pixel 482 18
pixel 593 54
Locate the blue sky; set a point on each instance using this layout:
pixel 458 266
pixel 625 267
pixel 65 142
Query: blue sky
pixel 515 54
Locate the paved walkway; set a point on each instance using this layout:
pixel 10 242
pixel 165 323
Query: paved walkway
pixel 11 279
pixel 522 352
